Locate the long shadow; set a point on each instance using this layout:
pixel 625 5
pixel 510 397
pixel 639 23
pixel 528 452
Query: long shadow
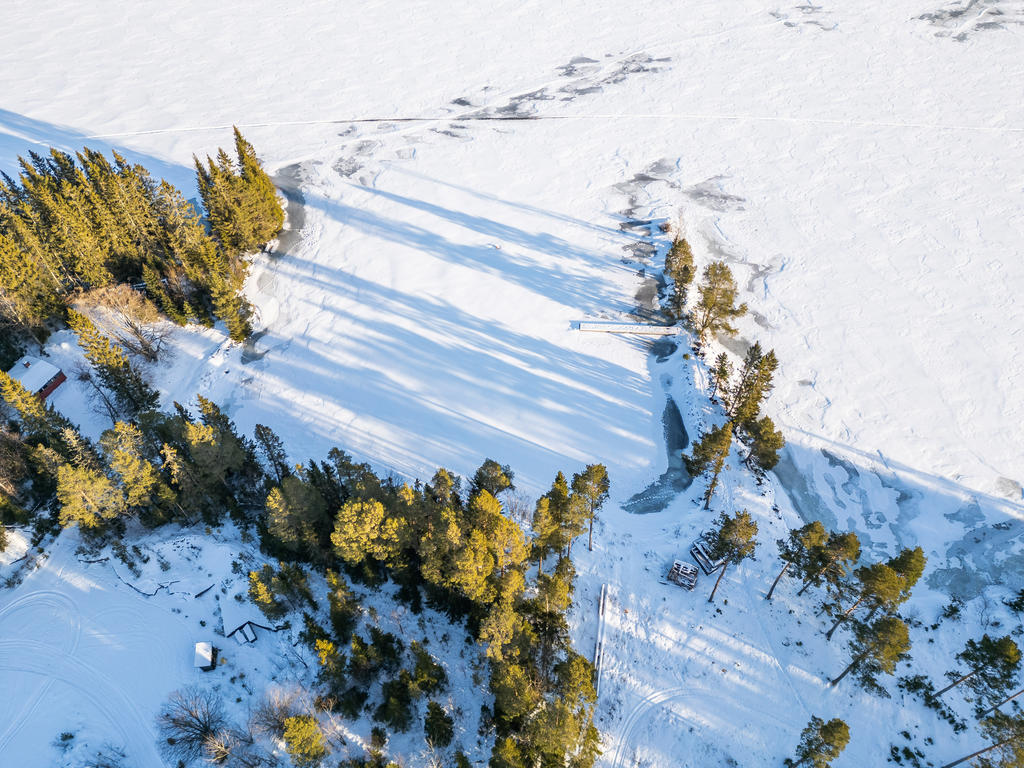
pixel 20 134
pixel 615 233
pixel 488 338
pixel 456 381
pixel 571 289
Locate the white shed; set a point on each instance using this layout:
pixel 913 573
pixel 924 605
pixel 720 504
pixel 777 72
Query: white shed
pixel 206 656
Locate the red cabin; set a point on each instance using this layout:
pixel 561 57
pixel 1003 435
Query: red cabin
pixel 37 376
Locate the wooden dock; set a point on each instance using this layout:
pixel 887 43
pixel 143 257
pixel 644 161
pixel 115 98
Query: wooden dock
pixel 641 328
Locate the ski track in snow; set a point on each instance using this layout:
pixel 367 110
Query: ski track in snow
pixel 88 682
pixel 49 599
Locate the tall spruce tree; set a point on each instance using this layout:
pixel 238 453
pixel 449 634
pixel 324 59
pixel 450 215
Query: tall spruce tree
pixel 297 520
pixel 269 215
pixel 240 198
pixel 272 449
pixel 29 296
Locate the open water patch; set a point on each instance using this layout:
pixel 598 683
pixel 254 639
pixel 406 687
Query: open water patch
pixel 675 479
pixel 289 180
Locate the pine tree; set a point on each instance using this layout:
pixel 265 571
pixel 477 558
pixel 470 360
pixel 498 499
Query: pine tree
pixel 830 564
pixel 720 376
pixel 879 586
pixel 717 304
pixel 130 391
pixel 472 567
pixel 199 467
pixel 735 541
pixel 909 564
pixel 679 269
pixel 498 628
pixel 506 754
pixel 515 692
pixel 876 649
pixel 438 727
pixel 1007 700
pixel 820 743
pixel 993 665
pixel 305 742
pixel 753 385
pixel 591 488
pixel 332 664
pixel 708 456
pixel 88 497
pixel 547 533
pixel 797 551
pixel 363 530
pixel 765 444
pixel 261 592
pixel 567 513
pixel 272 449
pixel 145 492
pixel 1007 749
pixel 493 478
pixel 297 519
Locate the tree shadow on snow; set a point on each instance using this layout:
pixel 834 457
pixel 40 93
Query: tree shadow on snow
pixel 20 134
pixel 892 505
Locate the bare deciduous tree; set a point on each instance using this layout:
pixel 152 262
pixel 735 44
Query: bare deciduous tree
pixel 127 315
pixel 190 719
pixel 269 716
pixel 235 748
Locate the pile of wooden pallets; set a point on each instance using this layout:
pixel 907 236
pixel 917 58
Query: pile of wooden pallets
pixel 683 574
pixel 701 552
